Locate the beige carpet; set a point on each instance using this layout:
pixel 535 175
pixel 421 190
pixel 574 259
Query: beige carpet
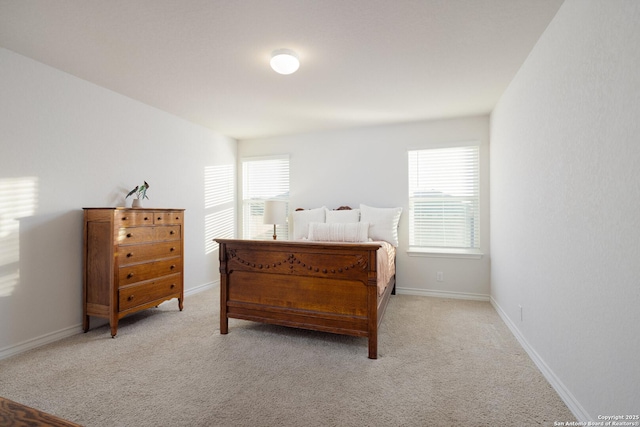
pixel 441 363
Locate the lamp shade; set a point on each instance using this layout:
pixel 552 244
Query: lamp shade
pixel 275 212
pixel 284 61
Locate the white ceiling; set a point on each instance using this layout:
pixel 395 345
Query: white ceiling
pixel 363 62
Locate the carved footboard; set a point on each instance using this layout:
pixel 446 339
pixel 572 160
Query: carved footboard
pixel 327 287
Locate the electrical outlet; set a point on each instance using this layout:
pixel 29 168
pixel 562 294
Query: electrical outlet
pixel 440 276
pixel 520 307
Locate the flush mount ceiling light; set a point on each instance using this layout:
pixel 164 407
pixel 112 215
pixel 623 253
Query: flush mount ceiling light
pixel 284 61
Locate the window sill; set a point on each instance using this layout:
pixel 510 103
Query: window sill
pixel 445 253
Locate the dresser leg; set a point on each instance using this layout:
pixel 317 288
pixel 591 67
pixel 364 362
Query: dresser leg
pixel 180 306
pixel 114 330
pixel 85 323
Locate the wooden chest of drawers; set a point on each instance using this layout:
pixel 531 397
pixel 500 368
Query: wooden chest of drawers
pixel 133 260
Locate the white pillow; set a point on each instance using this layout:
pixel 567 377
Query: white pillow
pixel 342 216
pixel 339 232
pixel 384 223
pixel 301 220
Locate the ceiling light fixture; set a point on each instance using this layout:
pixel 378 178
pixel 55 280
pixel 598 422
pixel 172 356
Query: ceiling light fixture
pixel 284 61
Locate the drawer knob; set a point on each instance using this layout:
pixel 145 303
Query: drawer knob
pixel 172 232
pixel 172 249
pixel 159 218
pixel 124 218
pixel 130 298
pixel 173 285
pixel 172 267
pixel 146 218
pixel 130 254
pixel 129 276
pixel 129 234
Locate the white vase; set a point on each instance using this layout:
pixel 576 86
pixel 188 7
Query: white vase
pixel 137 203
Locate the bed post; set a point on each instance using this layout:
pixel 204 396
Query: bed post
pixel 373 322
pixel 224 320
pixel 372 306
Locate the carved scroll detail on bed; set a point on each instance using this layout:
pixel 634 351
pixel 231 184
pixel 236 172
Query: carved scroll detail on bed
pixel 294 262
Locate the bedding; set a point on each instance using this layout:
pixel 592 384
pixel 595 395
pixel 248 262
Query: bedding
pixel 383 222
pixel 386 265
pixel 339 232
pixel 302 219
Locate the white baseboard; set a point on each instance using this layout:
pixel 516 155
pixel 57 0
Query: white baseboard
pixel 30 344
pixel 567 397
pixel 201 288
pixel 442 294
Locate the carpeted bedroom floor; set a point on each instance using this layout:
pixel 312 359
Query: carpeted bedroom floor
pixel 441 362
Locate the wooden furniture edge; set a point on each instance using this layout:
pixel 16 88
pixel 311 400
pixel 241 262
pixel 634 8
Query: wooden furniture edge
pixel 376 305
pixel 16 414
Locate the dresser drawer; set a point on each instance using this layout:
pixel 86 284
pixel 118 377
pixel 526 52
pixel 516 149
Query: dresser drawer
pixel 135 235
pixel 131 218
pixel 133 296
pixel 160 218
pixel 135 254
pixel 150 270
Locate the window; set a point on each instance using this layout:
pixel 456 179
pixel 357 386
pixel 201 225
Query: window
pixel 263 179
pixel 444 200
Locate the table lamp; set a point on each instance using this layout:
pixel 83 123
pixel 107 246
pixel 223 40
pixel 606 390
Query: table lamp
pixel 275 212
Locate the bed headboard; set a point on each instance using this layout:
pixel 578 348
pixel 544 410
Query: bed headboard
pixel 341 208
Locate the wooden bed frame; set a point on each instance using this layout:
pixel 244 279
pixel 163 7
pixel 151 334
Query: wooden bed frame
pixel 329 287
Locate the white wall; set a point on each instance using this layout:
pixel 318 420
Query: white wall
pixel 565 199
pixel 369 165
pixel 73 144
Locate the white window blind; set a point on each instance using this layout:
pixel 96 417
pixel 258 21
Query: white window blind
pixel 263 179
pixel 444 198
